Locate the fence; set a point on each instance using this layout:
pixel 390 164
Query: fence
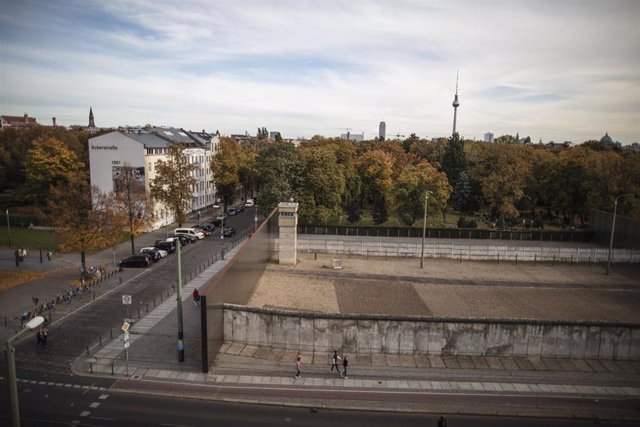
pixel 449 233
pixel 470 252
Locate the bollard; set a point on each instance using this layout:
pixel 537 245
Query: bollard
pixel 87 350
pixel 535 259
pixel 111 332
pixel 120 280
pixel 516 259
pixel 554 260
pixel 147 307
pixel 498 257
pixel 161 296
pixel 154 301
pixel 94 295
pixel 138 312
pixel 100 340
pixel 111 368
pixel 315 255
pixel 91 367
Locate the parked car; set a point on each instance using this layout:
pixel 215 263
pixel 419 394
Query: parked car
pixel 229 232
pixel 203 231
pixel 182 238
pixel 249 203
pixel 221 216
pixel 169 247
pixel 204 226
pixel 155 252
pixel 232 212
pixel 217 222
pixel 190 238
pixel 190 232
pixel 140 260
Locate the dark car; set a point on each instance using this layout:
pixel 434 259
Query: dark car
pixel 140 260
pixel 217 222
pixel 204 231
pixel 190 238
pixel 229 232
pixel 232 212
pixel 205 226
pixel 166 246
pixel 184 240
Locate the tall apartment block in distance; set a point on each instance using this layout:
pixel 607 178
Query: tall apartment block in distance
pixel 382 131
pixel 488 137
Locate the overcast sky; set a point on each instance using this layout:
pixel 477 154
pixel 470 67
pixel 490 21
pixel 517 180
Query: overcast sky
pixel 556 70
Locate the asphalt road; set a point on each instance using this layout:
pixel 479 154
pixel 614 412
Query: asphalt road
pixel 70 401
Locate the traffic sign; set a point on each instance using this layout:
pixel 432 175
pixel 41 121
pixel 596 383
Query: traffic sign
pixel 125 334
pixel 125 326
pixel 126 299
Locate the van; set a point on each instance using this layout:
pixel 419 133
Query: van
pixel 190 232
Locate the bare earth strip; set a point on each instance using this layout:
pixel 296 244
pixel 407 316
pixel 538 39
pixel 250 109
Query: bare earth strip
pixel 449 288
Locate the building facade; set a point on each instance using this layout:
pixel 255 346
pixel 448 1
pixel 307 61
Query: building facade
pixel 141 150
pixel 382 131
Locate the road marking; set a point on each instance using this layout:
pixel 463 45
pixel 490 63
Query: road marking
pixel 94 405
pixel 103 418
pixel 51 383
pixel 103 396
pixel 42 382
pixel 68 385
pixel 76 386
pixel 97 299
pixel 176 425
pixel 33 382
pixel 85 413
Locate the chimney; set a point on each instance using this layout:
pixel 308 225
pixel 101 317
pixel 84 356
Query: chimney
pixel 54 121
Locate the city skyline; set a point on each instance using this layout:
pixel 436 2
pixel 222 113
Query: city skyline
pixel 549 70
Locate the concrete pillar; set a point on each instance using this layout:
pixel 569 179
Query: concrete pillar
pixel 288 236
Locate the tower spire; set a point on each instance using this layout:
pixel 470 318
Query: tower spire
pixel 455 103
pixel 91 122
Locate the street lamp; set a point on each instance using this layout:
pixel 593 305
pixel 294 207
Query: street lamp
pixel 424 225
pixel 613 226
pixel 179 305
pixel 11 368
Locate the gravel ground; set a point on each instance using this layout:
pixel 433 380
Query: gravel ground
pixel 398 286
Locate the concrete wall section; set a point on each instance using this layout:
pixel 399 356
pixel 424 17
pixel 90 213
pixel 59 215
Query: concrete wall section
pixel 372 334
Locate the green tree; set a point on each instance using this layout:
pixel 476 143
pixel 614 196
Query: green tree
pixel 375 168
pixel 174 182
pixel 322 183
pixel 49 163
pixel 411 187
pixel 132 203
pixel 83 217
pixel 279 175
pixel 226 166
pixel 463 198
pixel 454 159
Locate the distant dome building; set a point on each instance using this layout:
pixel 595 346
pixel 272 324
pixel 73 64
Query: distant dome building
pixel 606 139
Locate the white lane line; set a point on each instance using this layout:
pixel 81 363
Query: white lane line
pixel 103 418
pixel 42 382
pixel 76 386
pixel 94 405
pixel 103 396
pixel 85 413
pixel 68 385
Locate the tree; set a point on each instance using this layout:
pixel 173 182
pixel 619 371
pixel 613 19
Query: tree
pixel 279 175
pixel 262 134
pixel 411 187
pixel 83 217
pixel 278 137
pixel 174 182
pixel 48 164
pixel 132 203
pixel 463 198
pixel 376 174
pixel 323 183
pixel 454 159
pixel 226 166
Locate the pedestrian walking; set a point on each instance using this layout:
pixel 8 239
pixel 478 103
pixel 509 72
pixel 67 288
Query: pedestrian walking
pixel 298 367
pixel 39 337
pixel 442 422
pixel 49 255
pixel 334 362
pixel 45 334
pixel 196 297
pixel 345 363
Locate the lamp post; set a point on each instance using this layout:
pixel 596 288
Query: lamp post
pixel 613 227
pixel 424 225
pixel 8 227
pixel 11 368
pixel 179 305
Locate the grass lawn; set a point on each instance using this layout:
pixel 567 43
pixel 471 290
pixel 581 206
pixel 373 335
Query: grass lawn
pixel 394 221
pixel 11 278
pixel 22 237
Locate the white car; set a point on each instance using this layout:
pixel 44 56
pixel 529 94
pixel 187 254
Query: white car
pixel 162 252
pixel 249 203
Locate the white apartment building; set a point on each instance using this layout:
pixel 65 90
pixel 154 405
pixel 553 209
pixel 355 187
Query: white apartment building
pixel 141 149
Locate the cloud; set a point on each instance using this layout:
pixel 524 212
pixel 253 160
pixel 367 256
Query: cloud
pixel 557 70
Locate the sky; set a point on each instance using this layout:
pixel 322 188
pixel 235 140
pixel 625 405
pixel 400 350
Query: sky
pixel 558 70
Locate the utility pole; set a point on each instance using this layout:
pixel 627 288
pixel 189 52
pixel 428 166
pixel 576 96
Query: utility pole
pixel 424 226
pixel 8 227
pixel 613 227
pixel 179 305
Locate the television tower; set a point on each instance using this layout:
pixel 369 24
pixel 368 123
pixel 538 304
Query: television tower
pixel 455 104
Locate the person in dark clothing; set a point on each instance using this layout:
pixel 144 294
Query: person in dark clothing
pixel 442 422
pixel 345 363
pixel 45 334
pixel 196 297
pixel 39 337
pixel 334 362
